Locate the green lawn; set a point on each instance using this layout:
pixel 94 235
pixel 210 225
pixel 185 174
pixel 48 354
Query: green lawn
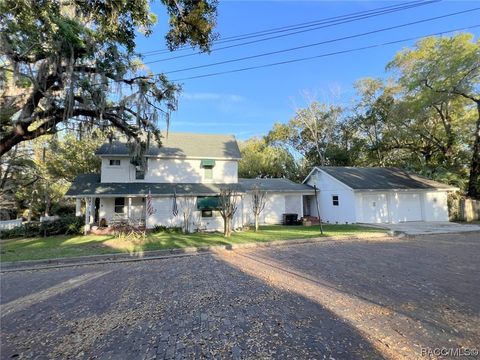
pixel 77 245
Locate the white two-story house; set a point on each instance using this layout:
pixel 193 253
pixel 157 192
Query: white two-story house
pixel 183 176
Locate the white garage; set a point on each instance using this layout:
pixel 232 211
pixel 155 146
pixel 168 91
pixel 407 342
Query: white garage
pixel 376 195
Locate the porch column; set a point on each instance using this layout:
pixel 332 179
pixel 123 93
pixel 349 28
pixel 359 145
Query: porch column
pixel 129 208
pixel 92 211
pixel 78 207
pixel 87 217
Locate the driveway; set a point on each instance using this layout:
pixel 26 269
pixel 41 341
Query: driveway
pixel 424 227
pixel 376 299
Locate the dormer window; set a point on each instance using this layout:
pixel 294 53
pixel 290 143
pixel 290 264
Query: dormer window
pixel 114 162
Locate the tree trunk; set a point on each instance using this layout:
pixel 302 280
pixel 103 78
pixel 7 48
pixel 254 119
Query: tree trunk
pixel 473 186
pixel 47 204
pixel 256 222
pixel 225 220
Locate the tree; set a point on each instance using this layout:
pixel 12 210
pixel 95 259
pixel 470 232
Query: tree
pixel 309 132
pixel 261 160
pixel 35 177
pixel 187 204
pixel 72 155
pixel 72 65
pixel 443 69
pixel 228 207
pixel 259 200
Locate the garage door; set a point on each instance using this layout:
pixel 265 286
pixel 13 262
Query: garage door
pixel 409 208
pixel 375 208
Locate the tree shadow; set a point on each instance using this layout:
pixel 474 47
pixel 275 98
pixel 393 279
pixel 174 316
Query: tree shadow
pixel 200 306
pixel 425 291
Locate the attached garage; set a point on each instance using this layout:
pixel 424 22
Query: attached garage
pixel 378 195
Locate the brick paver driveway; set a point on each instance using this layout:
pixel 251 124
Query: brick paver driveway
pixel 352 299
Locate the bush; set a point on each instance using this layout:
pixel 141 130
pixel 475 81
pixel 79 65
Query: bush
pixel 166 229
pixel 63 226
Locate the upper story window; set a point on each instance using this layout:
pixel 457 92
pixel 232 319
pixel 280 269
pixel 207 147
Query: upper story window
pixel 335 200
pixel 208 173
pixel 207 165
pixel 114 162
pixel 139 173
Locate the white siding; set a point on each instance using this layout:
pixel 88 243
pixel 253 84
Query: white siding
pixel 123 173
pixel 107 208
pixel 294 205
pixel 160 170
pixel 190 171
pixel 164 216
pixel 328 187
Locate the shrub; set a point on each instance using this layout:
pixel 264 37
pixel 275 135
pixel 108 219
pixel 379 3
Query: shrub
pixel 66 225
pixel 166 229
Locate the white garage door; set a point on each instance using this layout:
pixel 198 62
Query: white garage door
pixel 409 208
pixel 375 208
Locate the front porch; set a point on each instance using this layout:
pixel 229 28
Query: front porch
pixel 106 212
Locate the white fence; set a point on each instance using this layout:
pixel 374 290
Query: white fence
pixel 10 224
pixel 49 218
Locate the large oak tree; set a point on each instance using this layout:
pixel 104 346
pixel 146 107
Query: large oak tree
pixel 72 65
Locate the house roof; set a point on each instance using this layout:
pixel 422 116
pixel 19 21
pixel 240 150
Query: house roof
pixel 182 145
pixel 378 178
pixel 274 185
pixel 90 185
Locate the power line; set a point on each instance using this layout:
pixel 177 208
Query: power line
pixel 325 55
pixel 288 27
pixel 322 26
pixel 321 42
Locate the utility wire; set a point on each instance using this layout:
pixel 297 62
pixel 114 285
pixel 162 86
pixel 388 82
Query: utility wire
pixel 301 25
pixel 325 55
pixel 322 26
pixel 321 42
pixel 289 27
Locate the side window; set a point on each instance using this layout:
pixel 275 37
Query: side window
pixel 114 162
pixel 207 213
pixel 119 205
pixel 208 173
pixel 139 173
pixel 335 201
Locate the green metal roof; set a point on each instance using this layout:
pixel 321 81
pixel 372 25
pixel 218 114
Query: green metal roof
pixel 90 185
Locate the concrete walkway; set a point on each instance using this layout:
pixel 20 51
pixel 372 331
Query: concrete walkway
pixel 422 227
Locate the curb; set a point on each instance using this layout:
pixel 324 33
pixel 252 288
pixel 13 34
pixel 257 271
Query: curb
pixel 30 265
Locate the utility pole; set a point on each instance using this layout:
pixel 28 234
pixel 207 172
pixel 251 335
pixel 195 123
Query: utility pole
pixel 318 209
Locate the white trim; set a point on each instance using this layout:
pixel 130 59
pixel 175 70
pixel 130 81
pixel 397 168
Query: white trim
pixel 405 190
pixel 171 157
pixel 330 176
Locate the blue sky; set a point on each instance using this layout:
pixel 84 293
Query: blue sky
pixel 248 103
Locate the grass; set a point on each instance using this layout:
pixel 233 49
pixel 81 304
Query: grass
pixel 78 245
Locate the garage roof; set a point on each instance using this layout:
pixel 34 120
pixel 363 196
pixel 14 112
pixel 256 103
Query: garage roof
pixel 182 145
pixel 378 178
pixel 90 185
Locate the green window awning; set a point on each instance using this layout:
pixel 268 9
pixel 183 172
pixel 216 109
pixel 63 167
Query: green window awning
pixel 206 163
pixel 208 203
